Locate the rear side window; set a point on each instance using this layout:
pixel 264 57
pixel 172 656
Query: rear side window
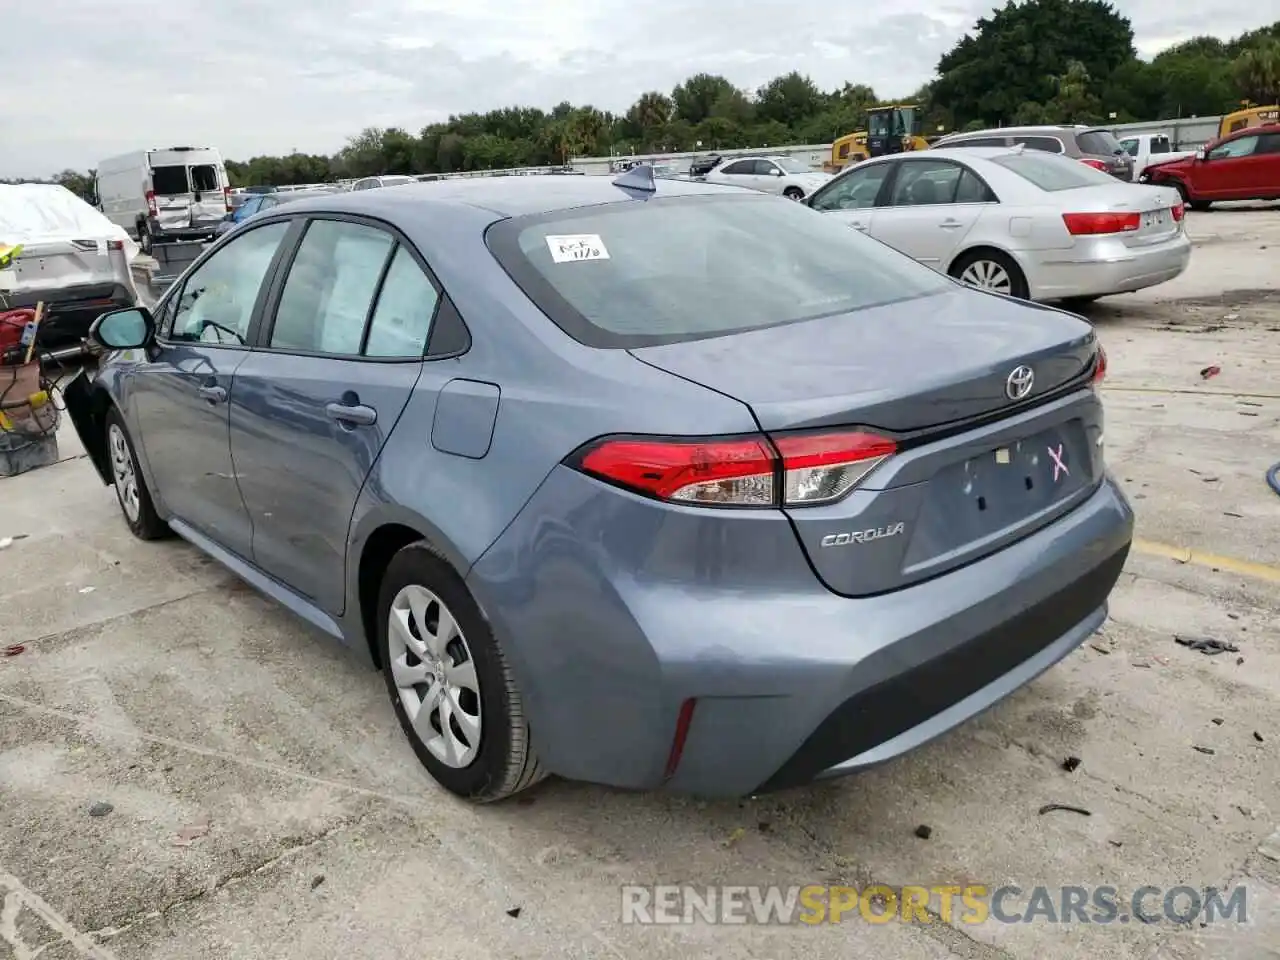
pixel 204 177
pixel 631 274
pixel 406 304
pixel 168 181
pixel 1100 143
pixel 1160 145
pixel 1053 173
pixel 330 288
pixel 1044 144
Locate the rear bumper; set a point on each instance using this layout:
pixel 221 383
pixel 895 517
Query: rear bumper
pixel 200 231
pixel 609 635
pixel 1106 266
pixel 69 311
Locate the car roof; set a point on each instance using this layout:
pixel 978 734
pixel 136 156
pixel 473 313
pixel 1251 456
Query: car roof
pixel 508 196
pixel 1019 131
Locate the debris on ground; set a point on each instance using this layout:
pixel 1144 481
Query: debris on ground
pixel 734 837
pixel 1210 371
pixel 1218 721
pixel 1257 736
pixel 1206 750
pixel 191 833
pixel 317 880
pixel 1239 661
pixel 1100 648
pixel 1209 646
pixel 100 809
pixel 7 542
pixel 14 650
pixel 1070 764
pixel 87 589
pixel 513 912
pixel 764 826
pixel 924 831
pixel 1050 807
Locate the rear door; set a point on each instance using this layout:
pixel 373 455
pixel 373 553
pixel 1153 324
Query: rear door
pixel 931 207
pixel 209 200
pixel 170 192
pixel 313 405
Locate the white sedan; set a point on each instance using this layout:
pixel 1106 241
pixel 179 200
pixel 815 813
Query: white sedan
pixel 781 175
pixel 1023 223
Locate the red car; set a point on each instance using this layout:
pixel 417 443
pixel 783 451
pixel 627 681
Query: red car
pixel 1242 166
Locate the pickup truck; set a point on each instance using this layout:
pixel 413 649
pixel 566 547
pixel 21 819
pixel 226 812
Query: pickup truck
pixel 1149 148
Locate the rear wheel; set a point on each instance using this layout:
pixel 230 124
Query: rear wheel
pixel 1200 205
pixel 450 685
pixel 991 270
pixel 793 193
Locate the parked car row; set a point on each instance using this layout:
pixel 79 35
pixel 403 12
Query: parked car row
pixel 672 494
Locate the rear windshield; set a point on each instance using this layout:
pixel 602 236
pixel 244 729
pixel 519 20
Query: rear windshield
pixel 204 177
pixel 1053 173
pixel 167 181
pixel 1160 145
pixel 638 273
pixel 1101 143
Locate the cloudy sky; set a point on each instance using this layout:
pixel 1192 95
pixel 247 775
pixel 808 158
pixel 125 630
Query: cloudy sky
pixel 86 79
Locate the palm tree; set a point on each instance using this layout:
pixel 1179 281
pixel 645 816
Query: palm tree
pixel 1257 72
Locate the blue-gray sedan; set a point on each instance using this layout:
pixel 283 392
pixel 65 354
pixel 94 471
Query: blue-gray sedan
pixel 643 484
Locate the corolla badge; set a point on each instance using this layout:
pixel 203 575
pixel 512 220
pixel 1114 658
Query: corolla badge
pixel 863 536
pixel 1019 382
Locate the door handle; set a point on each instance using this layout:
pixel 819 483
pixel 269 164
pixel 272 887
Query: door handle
pixel 214 394
pixel 951 224
pixel 859 226
pixel 353 414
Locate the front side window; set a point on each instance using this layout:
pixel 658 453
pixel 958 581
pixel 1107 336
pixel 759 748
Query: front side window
pixel 1240 147
pixel 766 168
pixel 217 301
pixel 923 183
pixel 330 288
pixel 856 190
pixel 684 268
pixel 1131 146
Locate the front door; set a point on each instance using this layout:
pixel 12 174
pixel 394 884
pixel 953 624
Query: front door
pixel 312 408
pixel 179 399
pixel 1228 170
pixel 851 197
pixel 932 206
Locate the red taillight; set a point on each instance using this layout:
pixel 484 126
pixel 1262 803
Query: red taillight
pixel 1099 367
pixel 226 198
pixel 151 203
pixel 1096 164
pixel 1094 224
pixel 115 244
pixel 1179 211
pixel 795 469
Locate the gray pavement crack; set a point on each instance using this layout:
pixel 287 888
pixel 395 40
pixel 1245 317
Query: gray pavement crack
pixel 293 846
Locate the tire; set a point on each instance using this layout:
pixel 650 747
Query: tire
pixel 1200 205
pixel 131 489
pixel 1076 303
pixel 793 193
pixel 991 270
pixel 145 240
pixel 481 751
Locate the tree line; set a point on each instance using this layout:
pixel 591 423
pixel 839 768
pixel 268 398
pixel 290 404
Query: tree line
pixel 1029 62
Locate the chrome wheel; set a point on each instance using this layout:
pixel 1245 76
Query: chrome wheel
pixel 126 479
pixel 988 275
pixel 434 676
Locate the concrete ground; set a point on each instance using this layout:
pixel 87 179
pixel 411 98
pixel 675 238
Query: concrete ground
pixel 263 804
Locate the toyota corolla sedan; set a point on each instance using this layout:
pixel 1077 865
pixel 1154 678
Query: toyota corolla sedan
pixel 643 482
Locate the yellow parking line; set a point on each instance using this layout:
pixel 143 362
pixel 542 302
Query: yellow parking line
pixel 1245 568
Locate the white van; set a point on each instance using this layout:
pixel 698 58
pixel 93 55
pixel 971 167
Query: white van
pixel 181 193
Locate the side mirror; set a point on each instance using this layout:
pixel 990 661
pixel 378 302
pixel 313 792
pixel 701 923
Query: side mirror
pixel 775 172
pixel 128 329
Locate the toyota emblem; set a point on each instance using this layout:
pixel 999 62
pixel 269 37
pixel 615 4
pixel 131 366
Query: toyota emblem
pixel 1019 382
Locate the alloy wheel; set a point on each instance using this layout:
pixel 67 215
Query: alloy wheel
pixel 988 275
pixel 126 480
pixel 435 676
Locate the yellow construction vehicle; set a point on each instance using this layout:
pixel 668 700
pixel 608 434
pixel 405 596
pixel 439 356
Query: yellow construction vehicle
pixel 890 129
pixel 1248 117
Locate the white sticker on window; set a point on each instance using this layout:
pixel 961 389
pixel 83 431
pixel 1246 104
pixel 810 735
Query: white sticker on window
pixel 8 279
pixel 577 246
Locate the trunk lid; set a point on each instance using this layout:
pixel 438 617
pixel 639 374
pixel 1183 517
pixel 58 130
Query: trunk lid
pixel 1154 203
pixel 974 471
